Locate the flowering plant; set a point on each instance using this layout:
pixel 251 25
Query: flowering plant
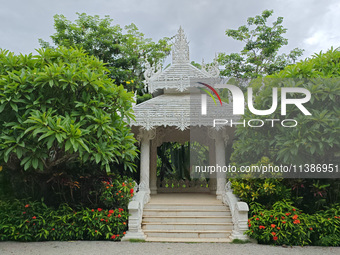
pixel 115 192
pixel 286 224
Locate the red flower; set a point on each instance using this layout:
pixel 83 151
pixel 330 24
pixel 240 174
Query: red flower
pixel 273 225
pixel 34 217
pixel 111 211
pixel 294 209
pixel 92 210
pixel 120 209
pixel 283 222
pixel 119 215
pixel 33 224
pixel 275 218
pixel 288 214
pixel 124 223
pixel 310 228
pixel 254 216
pixel 109 215
pixel 113 236
pixel 117 194
pixel 106 220
pixel 23 212
pixel 101 219
pixel 274 238
pixel 257 219
pixel 124 233
pixel 262 227
pixel 123 184
pixel 121 196
pixel 295 217
pixel 53 229
pixel 283 217
pixel 278 228
pixel 131 191
pixel 120 191
pixel 271 216
pixel 296 221
pixel 99 209
pixel 27 205
pixel 249 225
pixel 273 233
pixel 96 231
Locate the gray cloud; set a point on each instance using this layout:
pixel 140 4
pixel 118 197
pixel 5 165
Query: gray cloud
pixel 312 25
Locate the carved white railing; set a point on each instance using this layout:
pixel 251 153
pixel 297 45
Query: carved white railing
pixel 176 186
pixel 135 208
pixel 239 212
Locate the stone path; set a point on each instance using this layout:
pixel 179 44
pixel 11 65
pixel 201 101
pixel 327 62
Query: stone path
pixel 126 248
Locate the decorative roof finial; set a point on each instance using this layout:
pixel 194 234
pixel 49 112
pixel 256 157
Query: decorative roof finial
pixel 180 49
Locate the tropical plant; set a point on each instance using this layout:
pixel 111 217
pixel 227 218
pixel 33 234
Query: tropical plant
pixel 60 107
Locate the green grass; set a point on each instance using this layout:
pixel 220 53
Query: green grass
pixel 137 241
pixel 239 241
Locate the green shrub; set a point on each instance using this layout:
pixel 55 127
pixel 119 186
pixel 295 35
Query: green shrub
pixel 117 193
pixel 286 224
pixel 34 221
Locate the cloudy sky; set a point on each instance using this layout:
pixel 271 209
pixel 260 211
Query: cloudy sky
pixel 312 25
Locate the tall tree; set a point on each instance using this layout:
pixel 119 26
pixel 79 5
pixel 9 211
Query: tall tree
pixel 259 55
pixel 123 50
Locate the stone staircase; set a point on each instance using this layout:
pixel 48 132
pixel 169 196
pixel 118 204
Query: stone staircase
pixel 191 217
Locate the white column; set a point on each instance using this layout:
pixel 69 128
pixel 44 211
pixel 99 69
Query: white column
pixel 153 168
pixel 144 137
pixel 212 162
pixel 220 160
pixel 220 137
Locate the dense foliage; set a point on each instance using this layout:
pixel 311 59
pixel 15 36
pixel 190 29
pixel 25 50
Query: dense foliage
pixel 34 221
pixel 285 224
pixel 59 107
pixel 124 51
pixel 316 137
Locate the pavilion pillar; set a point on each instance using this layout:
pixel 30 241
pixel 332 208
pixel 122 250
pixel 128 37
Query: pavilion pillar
pixel 153 167
pixel 221 138
pixel 212 162
pixel 144 137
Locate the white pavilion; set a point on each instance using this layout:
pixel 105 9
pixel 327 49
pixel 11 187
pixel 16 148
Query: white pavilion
pixel 189 210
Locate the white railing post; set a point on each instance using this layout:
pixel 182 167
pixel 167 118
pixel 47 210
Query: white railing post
pixel 239 212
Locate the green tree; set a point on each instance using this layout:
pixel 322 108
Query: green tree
pixel 123 51
pixel 259 56
pixel 60 107
pixel 316 137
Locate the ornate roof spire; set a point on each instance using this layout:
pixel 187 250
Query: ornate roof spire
pixel 180 49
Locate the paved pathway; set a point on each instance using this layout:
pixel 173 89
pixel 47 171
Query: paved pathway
pixel 126 248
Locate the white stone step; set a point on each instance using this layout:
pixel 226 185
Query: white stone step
pixel 186 212
pixel 187 219
pixel 197 207
pixel 187 226
pixel 187 233
pixel 188 240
